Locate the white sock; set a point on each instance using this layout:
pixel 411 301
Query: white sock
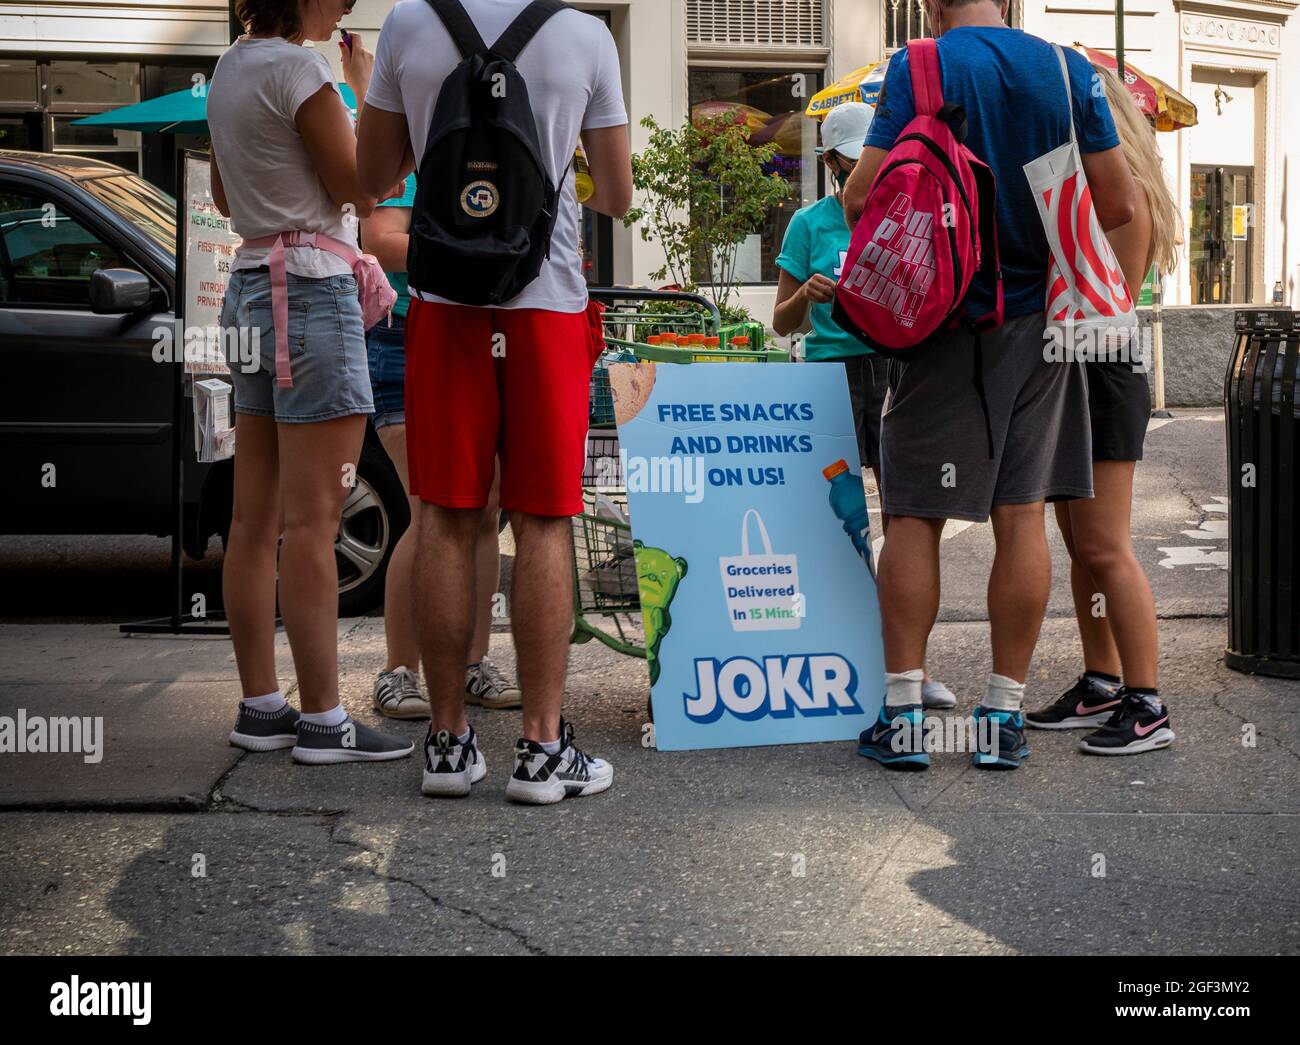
pixel 1004 694
pixel 903 687
pixel 271 702
pixel 551 747
pixel 335 716
pixel 463 739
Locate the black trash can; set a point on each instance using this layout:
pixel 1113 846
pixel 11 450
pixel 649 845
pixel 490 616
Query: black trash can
pixel 1263 420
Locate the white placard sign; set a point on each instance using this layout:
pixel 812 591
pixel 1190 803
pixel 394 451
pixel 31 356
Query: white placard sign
pixel 208 244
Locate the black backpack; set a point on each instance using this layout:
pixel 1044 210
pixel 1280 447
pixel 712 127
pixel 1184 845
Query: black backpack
pixel 484 204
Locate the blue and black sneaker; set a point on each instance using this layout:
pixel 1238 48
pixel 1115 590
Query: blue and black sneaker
pixel 1001 744
pixel 895 741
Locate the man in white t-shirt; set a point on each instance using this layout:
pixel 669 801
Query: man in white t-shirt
pixel 509 380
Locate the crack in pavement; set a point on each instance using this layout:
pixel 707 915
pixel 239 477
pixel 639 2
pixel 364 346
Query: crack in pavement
pixel 1217 700
pixel 520 937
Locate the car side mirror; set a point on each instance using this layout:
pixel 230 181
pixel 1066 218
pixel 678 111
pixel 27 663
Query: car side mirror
pixel 119 290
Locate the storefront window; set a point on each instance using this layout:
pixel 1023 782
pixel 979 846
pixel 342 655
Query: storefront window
pixel 94 85
pixel 18 83
pixel 772 102
pixel 100 143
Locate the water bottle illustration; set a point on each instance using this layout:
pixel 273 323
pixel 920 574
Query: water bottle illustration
pixel 849 503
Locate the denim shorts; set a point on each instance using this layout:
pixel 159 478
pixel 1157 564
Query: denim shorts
pixel 327 348
pixel 387 353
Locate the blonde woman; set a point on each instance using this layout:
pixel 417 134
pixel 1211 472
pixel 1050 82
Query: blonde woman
pixel 1118 688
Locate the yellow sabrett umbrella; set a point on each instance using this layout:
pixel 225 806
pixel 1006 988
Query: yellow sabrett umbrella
pixel 861 85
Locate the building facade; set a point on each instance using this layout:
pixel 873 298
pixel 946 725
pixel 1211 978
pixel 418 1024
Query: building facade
pixel 1235 175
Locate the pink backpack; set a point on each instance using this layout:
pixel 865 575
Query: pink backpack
pixel 927 228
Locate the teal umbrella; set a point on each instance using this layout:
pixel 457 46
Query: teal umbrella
pixel 181 112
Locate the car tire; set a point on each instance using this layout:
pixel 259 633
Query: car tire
pixel 375 515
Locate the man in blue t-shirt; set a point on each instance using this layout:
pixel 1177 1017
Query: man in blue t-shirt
pixel 936 462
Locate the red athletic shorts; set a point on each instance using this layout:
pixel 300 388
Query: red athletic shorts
pixel 483 382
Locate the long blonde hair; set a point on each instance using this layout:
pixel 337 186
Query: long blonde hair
pixel 1137 139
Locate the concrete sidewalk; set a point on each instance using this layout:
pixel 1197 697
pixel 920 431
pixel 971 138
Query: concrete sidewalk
pixel 788 849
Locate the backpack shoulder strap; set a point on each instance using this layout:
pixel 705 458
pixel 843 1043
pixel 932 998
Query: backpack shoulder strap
pixel 927 87
pixel 525 26
pixel 458 22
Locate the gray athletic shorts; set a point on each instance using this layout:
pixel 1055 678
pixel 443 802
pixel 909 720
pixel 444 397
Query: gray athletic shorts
pixel 934 454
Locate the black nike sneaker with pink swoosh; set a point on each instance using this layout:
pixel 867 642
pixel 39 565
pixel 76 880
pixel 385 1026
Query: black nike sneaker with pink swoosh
pixel 1140 723
pixel 1086 704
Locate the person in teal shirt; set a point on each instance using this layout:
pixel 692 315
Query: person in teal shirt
pixel 812 254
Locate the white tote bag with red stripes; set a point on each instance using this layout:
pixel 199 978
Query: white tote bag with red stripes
pixel 1085 286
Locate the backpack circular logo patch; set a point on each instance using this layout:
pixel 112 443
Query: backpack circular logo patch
pixel 479 199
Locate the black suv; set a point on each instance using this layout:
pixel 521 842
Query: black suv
pixel 85 411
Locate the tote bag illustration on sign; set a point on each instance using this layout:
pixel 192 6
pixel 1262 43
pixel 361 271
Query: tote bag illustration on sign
pixel 1085 286
pixel 762 589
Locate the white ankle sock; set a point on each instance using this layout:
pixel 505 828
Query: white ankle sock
pixel 271 702
pixel 551 747
pixel 335 716
pixel 1004 694
pixel 903 687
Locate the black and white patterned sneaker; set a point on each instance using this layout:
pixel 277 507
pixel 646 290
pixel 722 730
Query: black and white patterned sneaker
pixel 397 694
pixel 541 779
pixel 265 730
pixel 486 687
pixel 349 741
pixel 450 767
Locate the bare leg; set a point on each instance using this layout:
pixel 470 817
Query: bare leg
pixel 444 607
pixel 541 617
pixel 908 579
pixel 487 566
pixel 1019 585
pixel 1102 540
pixel 1099 652
pixel 399 611
pixel 314 463
pixel 248 571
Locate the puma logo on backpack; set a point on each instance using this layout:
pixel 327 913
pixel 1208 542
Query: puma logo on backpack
pixel 928 227
pixel 485 205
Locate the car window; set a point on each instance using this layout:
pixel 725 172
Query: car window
pixel 46 254
pixel 151 211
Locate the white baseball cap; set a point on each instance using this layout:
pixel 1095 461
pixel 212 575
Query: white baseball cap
pixel 845 129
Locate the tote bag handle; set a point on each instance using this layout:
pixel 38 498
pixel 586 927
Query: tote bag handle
pixel 762 531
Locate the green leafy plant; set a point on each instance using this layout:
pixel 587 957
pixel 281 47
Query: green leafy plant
pixel 704 189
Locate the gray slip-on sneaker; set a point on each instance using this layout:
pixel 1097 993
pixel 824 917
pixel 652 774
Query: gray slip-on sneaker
pixel 349 741
pixel 265 730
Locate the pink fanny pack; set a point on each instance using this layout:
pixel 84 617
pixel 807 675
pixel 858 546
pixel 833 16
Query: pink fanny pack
pixel 376 295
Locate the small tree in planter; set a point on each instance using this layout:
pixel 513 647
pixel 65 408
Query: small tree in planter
pixel 703 188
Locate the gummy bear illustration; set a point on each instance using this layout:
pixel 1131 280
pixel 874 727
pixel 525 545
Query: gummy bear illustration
pixel 658 575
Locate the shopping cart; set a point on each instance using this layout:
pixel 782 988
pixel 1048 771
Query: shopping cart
pixel 647 325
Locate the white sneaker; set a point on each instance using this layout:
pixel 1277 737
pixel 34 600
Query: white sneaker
pixel 397 694
pixel 542 779
pixel 450 767
pixel 935 694
pixel 485 686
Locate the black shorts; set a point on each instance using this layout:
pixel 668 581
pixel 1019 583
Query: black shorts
pixel 868 383
pixel 1119 406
